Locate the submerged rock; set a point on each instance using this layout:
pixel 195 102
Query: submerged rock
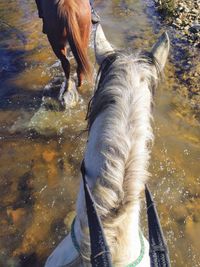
pixel 195 28
pixel 17 216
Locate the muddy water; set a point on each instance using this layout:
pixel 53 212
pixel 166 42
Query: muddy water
pixel 41 150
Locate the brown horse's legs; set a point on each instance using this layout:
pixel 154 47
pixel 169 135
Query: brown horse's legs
pixel 85 37
pixel 66 66
pixel 61 51
pixel 80 76
pixel 76 56
pixel 69 95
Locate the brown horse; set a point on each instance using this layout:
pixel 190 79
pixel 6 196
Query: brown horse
pixel 68 21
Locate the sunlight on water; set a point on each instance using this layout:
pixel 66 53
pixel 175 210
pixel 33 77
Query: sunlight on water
pixel 41 147
pixel 50 121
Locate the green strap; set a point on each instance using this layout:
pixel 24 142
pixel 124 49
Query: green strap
pixel 142 250
pixel 133 264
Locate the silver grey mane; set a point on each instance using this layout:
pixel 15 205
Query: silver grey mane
pixel 104 97
pixel 124 90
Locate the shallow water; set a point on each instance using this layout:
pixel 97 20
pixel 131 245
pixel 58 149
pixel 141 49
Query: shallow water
pixel 41 150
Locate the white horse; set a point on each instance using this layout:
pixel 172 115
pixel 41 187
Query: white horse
pixel 117 155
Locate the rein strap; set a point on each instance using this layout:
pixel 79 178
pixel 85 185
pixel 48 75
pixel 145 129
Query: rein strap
pixel 158 251
pixel 100 253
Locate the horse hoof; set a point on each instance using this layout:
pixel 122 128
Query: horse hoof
pixel 70 97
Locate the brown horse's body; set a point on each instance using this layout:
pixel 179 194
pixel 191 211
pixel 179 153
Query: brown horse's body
pixel 68 21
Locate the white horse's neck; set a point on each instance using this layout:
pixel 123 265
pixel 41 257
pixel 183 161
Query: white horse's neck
pixel 117 155
pixel 128 246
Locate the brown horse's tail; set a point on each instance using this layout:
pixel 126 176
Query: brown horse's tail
pixel 69 10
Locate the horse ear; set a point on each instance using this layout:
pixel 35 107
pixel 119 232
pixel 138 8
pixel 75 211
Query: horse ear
pixel 101 45
pixel 160 49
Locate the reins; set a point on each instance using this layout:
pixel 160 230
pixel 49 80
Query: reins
pixel 158 251
pixel 100 253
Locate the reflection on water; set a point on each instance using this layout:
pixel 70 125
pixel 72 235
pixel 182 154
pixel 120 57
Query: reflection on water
pixel 41 149
pixel 176 181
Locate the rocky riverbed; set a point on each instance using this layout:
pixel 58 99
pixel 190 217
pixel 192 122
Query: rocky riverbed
pixel 183 17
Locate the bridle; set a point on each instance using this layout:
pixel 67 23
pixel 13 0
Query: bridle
pixel 100 252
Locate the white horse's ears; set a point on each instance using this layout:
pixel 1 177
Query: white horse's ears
pixel 101 46
pixel 160 50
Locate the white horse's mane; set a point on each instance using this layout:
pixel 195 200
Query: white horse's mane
pixel 124 93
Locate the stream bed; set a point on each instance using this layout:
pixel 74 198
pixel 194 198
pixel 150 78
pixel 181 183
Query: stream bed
pixel 41 150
